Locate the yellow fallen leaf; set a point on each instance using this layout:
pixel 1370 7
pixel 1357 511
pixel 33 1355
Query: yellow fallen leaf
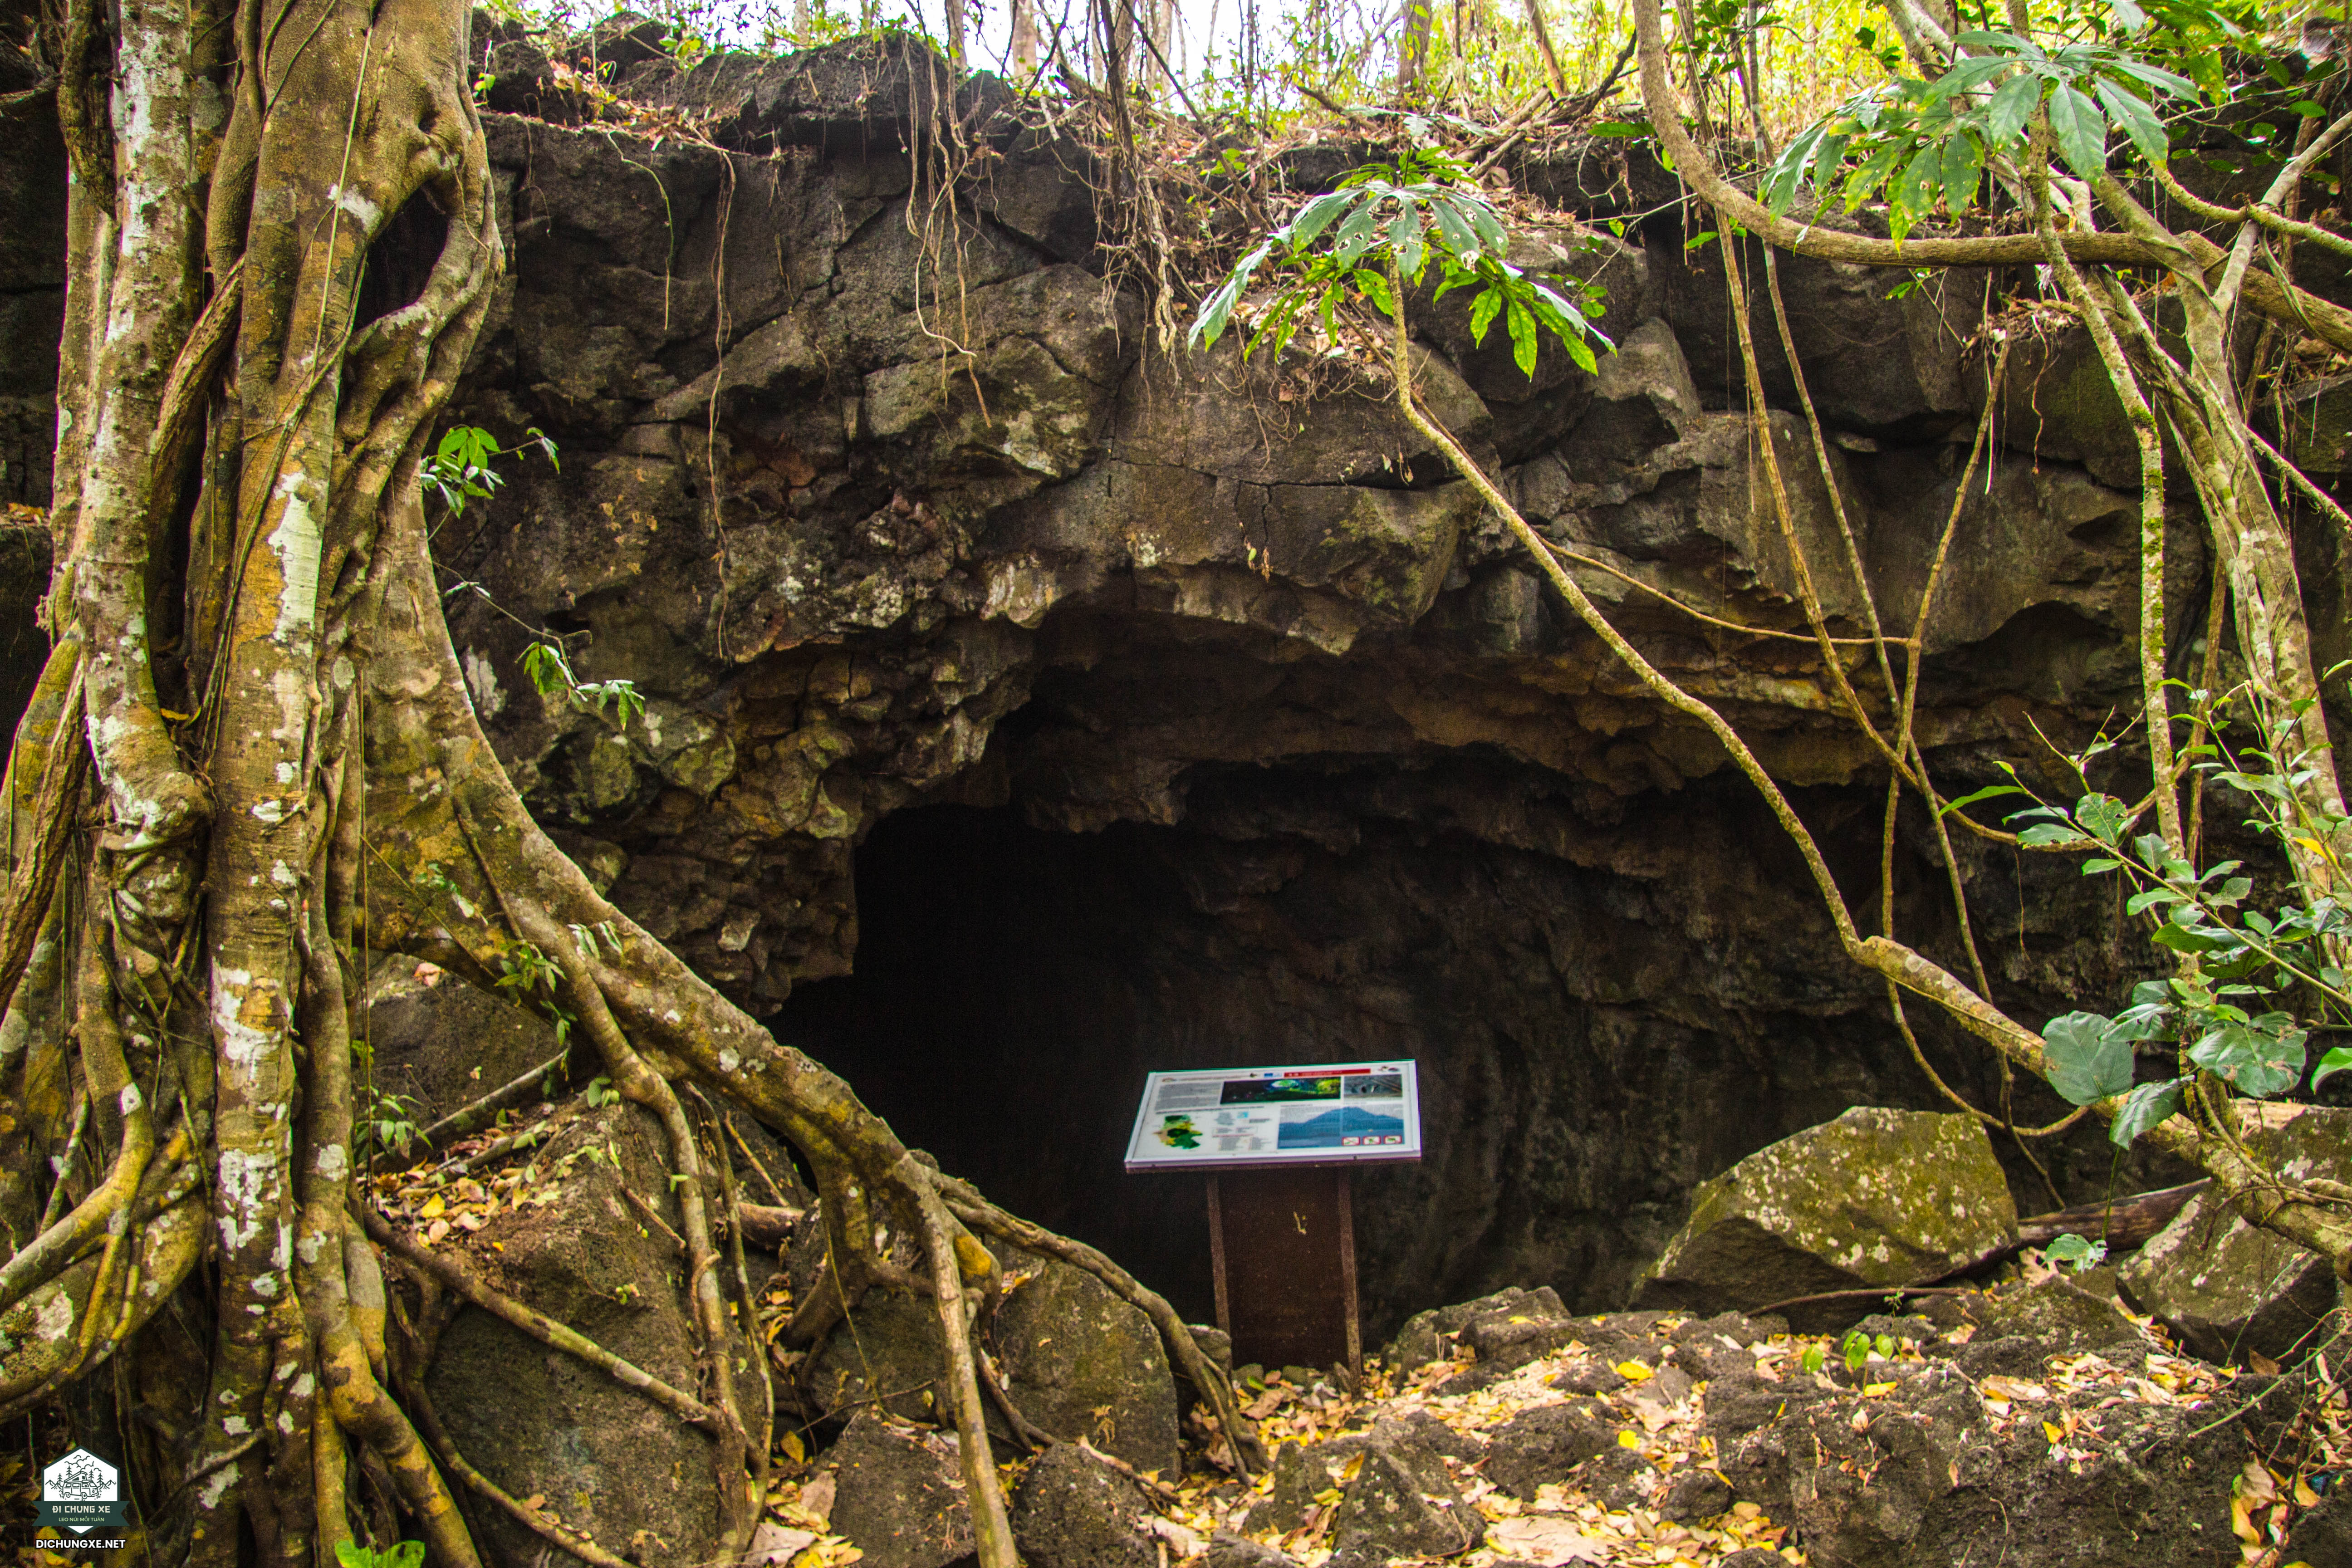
pixel 2055 1432
pixel 1634 1372
pixel 433 1208
pixel 1876 1390
pixel 1629 1438
pixel 792 1449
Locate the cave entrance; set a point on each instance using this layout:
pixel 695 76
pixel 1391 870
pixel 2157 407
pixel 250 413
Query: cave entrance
pixel 1187 852
pixel 1012 987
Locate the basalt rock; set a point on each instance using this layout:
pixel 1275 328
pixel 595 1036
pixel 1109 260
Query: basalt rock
pixel 538 1421
pixel 1873 1198
pixel 1077 1360
pixel 1027 701
pixel 1072 1511
pixel 2228 1288
pixel 898 1493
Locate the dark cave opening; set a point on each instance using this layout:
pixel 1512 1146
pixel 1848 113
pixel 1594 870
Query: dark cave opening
pixel 1605 1014
pixel 1005 976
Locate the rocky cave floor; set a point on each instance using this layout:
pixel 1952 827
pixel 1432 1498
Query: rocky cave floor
pixel 2029 1416
pixel 1531 1438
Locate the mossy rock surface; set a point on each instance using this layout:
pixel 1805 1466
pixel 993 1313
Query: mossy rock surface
pixel 2228 1288
pixel 1876 1198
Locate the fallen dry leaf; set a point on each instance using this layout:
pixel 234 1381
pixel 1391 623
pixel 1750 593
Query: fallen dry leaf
pixel 1546 1541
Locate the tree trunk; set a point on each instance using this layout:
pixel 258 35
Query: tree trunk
pixel 251 688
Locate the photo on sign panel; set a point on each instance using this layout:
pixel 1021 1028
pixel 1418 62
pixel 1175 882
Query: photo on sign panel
pixel 1279 1090
pixel 1343 1126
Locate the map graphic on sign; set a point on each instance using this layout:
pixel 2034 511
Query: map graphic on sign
pixel 1230 1117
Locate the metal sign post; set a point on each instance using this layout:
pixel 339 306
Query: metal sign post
pixel 1279 1144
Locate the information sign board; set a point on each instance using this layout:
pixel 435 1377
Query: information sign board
pixel 1227 1119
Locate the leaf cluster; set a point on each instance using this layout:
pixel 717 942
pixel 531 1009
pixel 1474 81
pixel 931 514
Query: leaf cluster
pixel 1919 143
pixel 2253 978
pixel 1394 222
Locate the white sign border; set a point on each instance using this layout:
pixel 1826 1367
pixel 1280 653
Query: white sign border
pixel 1142 1161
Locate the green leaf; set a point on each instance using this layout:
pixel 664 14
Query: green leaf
pixel 2262 1058
pixel 1355 236
pixel 2043 835
pixel 1523 339
pixel 1453 230
pixel 1990 792
pixel 1914 191
pixel 1316 217
pixel 2144 1108
pixel 1962 172
pixel 2082 133
pixel 2088 1061
pixel 2334 1062
pixel 1483 310
pixel 1375 288
pixel 2138 121
pixel 2103 816
pixel 1405 242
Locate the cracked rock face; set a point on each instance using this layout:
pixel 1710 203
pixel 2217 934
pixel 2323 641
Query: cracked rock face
pixel 889 501
pixel 938 570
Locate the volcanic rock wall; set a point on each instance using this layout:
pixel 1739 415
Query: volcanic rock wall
pixel 1148 710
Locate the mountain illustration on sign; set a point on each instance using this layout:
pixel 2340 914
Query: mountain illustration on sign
pixel 1178 1132
pixel 1323 1130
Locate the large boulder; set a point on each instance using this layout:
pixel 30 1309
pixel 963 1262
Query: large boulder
pixel 2230 1289
pixel 440 1043
pixel 898 1493
pixel 1078 1362
pixel 1876 1198
pixel 1397 1496
pixel 1927 1478
pixel 571 1240
pixel 1427 1336
pixel 1072 1511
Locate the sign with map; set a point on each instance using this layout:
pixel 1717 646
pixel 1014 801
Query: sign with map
pixel 1230 1118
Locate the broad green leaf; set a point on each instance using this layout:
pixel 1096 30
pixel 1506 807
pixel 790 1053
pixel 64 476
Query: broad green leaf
pixel 1453 230
pixel 1316 217
pixel 2104 817
pixel 1405 242
pixel 1962 172
pixel 1375 288
pixel 1355 236
pixel 2138 121
pixel 2127 15
pixel 2155 77
pixel 2010 107
pixel 1915 190
pixel 2334 1062
pixel 1523 338
pixel 1865 181
pixel 2087 1061
pixel 1489 225
pixel 2262 1058
pixel 1967 75
pixel 2082 133
pixel 2144 1108
pixel 1482 314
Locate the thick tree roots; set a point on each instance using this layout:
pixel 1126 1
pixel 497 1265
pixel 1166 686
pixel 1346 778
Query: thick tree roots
pixel 251 759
